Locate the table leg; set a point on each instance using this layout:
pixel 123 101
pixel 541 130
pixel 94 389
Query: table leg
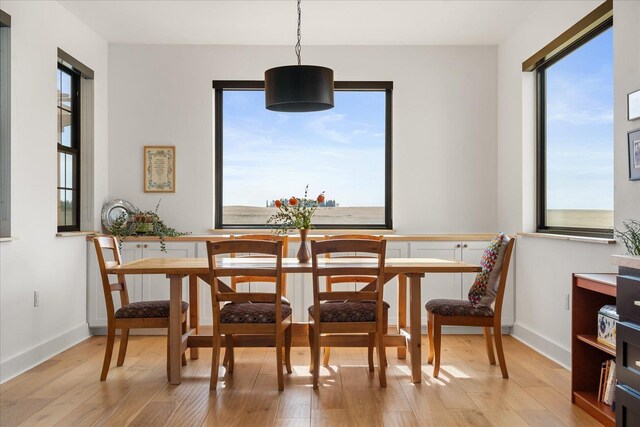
pixel 415 311
pixel 402 312
pixel 194 310
pixel 175 328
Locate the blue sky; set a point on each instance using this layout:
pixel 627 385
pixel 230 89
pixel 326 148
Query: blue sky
pixel 269 155
pixel 580 127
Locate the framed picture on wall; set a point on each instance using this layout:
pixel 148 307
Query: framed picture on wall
pixel 634 155
pixel 633 105
pixel 160 169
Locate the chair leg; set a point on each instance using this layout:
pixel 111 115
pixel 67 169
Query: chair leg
pixel 124 340
pixel 108 351
pixel 229 353
pixel 327 353
pixel 372 343
pixel 497 333
pixel 279 342
pixel 489 343
pixel 316 356
pixel 382 363
pixel 430 334
pixel 215 361
pixel 184 331
pixel 287 348
pixel 311 347
pixel 437 335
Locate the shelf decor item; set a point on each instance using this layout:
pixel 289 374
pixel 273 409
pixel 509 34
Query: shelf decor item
pixel 607 320
pixel 296 213
pixel 633 105
pixel 159 169
pixel 142 223
pixel 630 236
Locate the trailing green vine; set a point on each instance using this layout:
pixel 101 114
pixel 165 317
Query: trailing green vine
pixel 630 237
pixel 143 223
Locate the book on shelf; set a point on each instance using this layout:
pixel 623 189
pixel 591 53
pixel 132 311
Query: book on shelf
pixel 607 384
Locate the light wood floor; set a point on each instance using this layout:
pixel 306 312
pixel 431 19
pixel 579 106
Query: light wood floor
pixel 65 390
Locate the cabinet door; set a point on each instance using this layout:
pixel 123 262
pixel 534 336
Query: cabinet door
pixel 438 285
pixel 156 286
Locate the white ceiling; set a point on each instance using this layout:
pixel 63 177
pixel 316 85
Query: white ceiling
pixel 324 22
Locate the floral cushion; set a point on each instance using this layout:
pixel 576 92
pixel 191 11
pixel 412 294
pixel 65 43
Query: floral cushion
pixel 143 309
pixel 347 311
pixel 455 307
pixel 483 290
pixel 248 312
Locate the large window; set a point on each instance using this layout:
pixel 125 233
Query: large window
pixel 261 156
pixel 575 137
pixel 68 149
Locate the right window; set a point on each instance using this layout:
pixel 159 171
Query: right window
pixel 575 138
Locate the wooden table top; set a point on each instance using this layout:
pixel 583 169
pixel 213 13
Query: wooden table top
pixel 188 266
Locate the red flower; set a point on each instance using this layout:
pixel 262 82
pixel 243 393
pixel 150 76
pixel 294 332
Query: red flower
pixel 320 198
pixel 293 201
pixel 278 203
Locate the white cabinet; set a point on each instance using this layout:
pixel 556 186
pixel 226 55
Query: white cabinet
pixel 140 287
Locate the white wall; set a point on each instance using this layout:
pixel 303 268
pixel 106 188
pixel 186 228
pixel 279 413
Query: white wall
pixel 444 113
pixel 544 267
pixel 36 259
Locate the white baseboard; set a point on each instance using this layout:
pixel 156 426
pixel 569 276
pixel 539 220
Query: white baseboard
pixel 34 356
pixel 553 350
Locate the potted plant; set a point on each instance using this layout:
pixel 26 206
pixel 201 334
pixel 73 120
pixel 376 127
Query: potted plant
pixel 143 223
pixel 296 213
pixel 630 236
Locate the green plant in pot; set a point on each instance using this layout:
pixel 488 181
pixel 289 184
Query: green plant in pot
pixel 143 223
pixel 630 236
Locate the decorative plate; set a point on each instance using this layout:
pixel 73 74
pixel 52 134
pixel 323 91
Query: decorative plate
pixel 111 210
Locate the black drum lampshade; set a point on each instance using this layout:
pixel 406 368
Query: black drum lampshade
pixel 298 88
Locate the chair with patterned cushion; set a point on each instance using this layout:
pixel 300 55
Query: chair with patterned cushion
pixel 235 281
pixel 142 314
pixel 248 313
pixel 347 312
pixel 330 281
pixel 479 309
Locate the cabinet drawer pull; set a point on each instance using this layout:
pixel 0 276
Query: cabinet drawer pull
pixel 458 245
pixel 465 246
pixel 138 245
pixel 145 245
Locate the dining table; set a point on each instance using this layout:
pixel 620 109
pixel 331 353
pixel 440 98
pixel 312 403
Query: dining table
pixel 408 271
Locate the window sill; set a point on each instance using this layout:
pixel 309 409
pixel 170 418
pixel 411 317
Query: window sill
pixel 583 239
pixel 76 233
pixel 313 231
pixel 7 239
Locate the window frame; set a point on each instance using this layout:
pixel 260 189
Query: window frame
pixel 219 86
pixel 541 131
pixel 5 124
pixel 74 150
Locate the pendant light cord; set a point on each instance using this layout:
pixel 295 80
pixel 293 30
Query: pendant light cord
pixel 298 47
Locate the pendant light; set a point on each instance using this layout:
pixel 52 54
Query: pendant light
pixel 298 88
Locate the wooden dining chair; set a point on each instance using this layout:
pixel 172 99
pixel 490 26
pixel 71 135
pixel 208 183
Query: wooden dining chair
pixel 347 312
pixel 331 280
pixel 487 289
pixel 252 279
pixel 142 314
pixel 248 313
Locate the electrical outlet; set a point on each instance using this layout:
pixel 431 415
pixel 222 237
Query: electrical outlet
pixel 36 298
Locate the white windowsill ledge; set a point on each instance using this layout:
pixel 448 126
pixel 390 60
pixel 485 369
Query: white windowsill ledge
pixel 7 239
pixel 583 239
pixel 75 233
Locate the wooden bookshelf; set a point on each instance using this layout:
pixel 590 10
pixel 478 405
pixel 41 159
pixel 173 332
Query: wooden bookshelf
pixel 590 293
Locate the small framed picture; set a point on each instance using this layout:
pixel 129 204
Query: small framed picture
pixel 159 169
pixel 633 105
pixel 634 155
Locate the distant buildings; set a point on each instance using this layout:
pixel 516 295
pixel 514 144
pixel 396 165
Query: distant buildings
pixel 325 204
